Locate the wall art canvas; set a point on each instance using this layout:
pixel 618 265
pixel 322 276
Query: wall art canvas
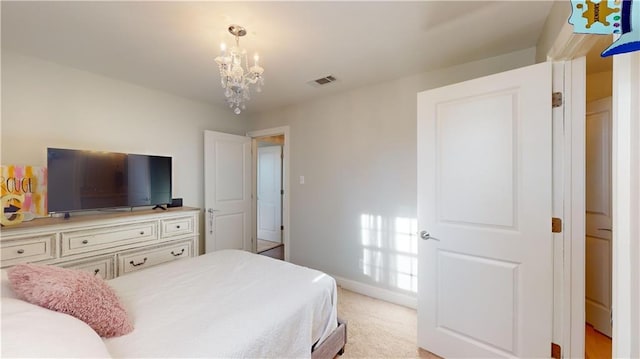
pixel 27 181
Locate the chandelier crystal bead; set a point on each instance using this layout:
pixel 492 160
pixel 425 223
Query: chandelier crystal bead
pixel 235 78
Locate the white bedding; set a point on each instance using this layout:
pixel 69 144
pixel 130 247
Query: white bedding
pixel 225 304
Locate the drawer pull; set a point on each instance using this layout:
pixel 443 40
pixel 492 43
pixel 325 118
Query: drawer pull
pixel 178 227
pixel 96 271
pixel 178 254
pixel 142 233
pixel 85 241
pixel 20 251
pixel 138 264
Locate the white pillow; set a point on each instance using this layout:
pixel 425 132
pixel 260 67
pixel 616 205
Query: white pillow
pixel 31 331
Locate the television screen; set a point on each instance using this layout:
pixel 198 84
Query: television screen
pixel 85 180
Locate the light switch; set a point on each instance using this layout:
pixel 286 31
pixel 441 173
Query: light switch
pixel 301 179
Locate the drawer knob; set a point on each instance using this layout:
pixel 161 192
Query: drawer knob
pixel 142 233
pixel 138 264
pixel 178 254
pixel 178 227
pixel 85 241
pixel 96 271
pixel 20 251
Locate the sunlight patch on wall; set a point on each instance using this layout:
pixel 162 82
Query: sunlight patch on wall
pixel 390 250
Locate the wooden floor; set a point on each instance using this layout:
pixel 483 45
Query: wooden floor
pixel 270 249
pixel 266 245
pixel 596 344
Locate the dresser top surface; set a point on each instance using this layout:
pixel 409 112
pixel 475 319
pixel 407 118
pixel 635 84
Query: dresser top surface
pixel 79 219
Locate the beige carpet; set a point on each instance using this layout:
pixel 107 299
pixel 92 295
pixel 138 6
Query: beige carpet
pixel 377 329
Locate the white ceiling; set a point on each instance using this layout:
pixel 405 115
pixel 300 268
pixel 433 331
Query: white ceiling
pixel 171 45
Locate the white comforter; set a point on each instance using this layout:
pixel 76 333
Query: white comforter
pixel 225 304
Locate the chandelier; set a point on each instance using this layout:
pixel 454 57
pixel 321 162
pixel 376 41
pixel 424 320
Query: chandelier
pixel 235 78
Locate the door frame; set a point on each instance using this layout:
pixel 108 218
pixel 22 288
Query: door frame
pixel 626 205
pixel 625 198
pixel 283 130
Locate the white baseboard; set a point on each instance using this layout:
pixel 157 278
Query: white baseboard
pixel 378 293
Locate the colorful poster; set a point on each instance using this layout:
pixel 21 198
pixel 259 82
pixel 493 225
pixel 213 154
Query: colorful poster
pixel 605 17
pixel 30 181
pixel 596 17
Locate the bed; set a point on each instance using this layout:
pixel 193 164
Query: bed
pixel 223 304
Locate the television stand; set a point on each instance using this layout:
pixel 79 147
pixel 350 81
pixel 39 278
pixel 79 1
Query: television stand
pixel 104 244
pixel 159 206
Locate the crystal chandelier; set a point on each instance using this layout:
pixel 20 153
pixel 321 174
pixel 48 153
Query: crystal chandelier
pixel 235 78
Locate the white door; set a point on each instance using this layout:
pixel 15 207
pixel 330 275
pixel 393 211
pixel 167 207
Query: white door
pixel 598 216
pixel 484 196
pixel 270 193
pixel 227 191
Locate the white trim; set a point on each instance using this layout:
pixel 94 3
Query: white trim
pixel 283 130
pixel 569 45
pixel 575 207
pixel 571 313
pixel 626 211
pixel 558 199
pixel 569 204
pixel 377 292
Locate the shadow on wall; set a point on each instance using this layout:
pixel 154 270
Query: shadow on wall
pixel 390 251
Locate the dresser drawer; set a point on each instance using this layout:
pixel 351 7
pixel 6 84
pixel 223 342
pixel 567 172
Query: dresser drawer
pixel 177 226
pixel 28 250
pixel 107 237
pixel 142 259
pixel 102 267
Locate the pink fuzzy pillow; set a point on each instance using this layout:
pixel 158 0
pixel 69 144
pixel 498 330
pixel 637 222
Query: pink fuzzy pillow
pixel 74 292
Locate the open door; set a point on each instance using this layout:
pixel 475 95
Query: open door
pixel 270 193
pixel 227 191
pixel 484 210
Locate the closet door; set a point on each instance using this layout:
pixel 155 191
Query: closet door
pixel 598 216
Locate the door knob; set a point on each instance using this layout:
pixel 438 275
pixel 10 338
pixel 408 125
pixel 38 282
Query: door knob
pixel 426 236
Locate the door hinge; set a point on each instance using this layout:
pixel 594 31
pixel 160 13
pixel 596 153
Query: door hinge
pixel 282 192
pixel 282 228
pixel 556 99
pixel 556 225
pixel 556 351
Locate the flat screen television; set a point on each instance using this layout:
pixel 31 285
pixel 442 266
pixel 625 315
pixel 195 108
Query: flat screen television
pixel 87 180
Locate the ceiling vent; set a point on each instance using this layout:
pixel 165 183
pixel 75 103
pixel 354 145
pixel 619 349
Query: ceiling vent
pixel 322 81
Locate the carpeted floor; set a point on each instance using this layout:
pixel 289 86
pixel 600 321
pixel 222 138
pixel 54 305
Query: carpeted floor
pixel 377 329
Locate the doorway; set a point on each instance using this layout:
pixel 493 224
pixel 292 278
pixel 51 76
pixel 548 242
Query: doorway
pixel 598 201
pixel 270 192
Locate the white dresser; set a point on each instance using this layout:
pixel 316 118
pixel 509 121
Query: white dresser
pixel 106 244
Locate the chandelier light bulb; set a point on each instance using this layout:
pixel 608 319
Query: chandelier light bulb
pixel 223 47
pixel 256 57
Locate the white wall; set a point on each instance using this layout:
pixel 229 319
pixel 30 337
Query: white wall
pixel 599 85
pixel 357 151
pixel 48 105
pixel 556 19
